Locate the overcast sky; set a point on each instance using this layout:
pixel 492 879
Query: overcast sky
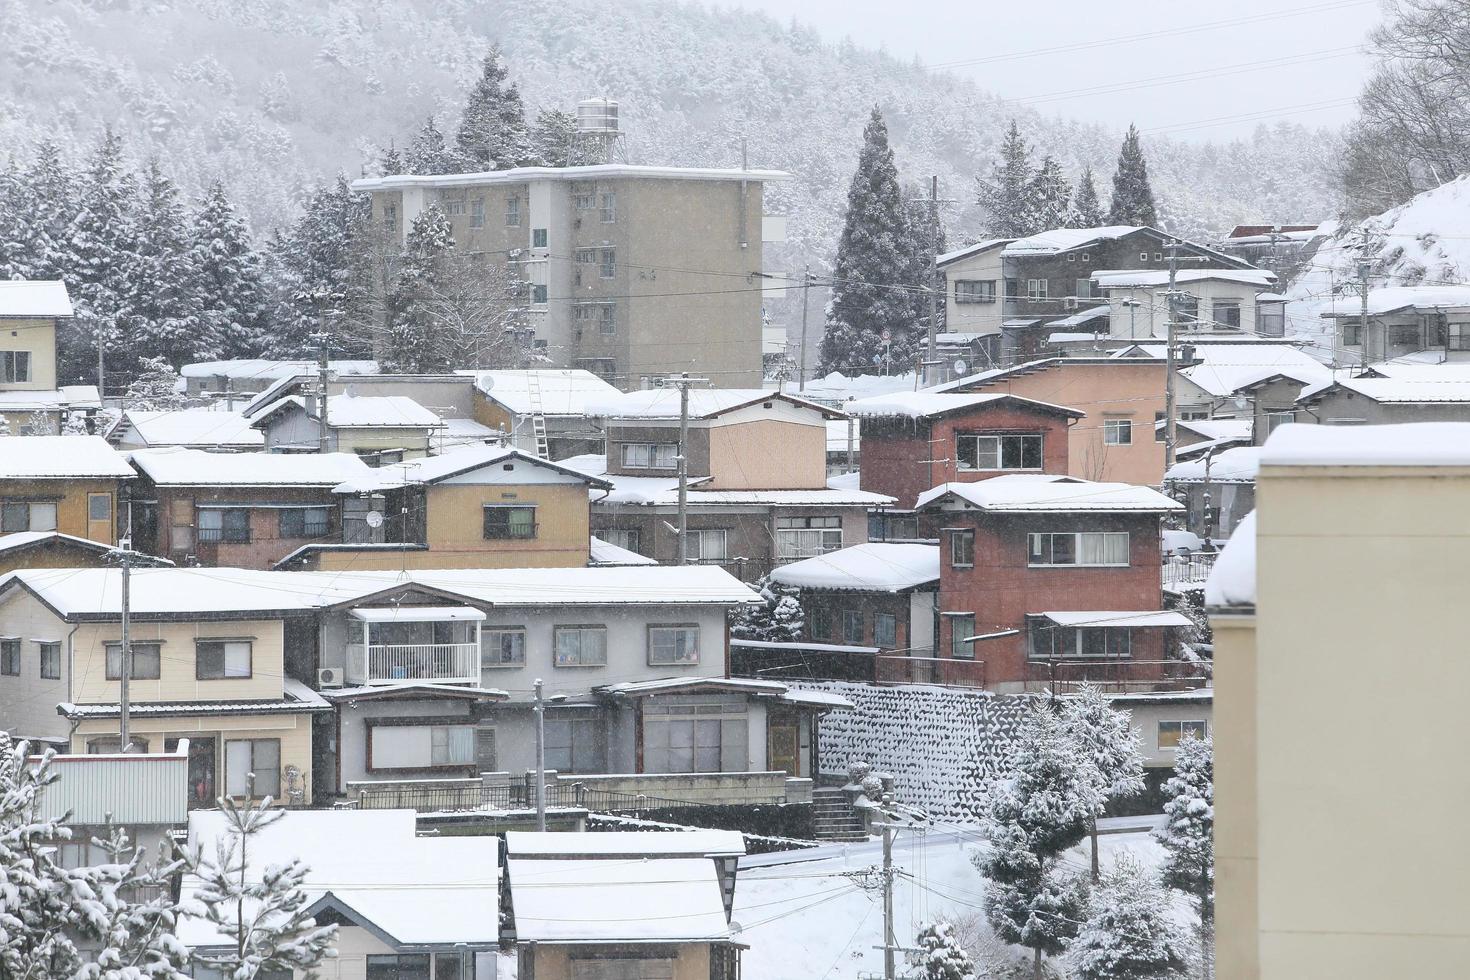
pixel 1263 59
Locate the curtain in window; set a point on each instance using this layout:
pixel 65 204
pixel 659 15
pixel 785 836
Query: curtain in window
pixel 1091 549
pixel 1115 548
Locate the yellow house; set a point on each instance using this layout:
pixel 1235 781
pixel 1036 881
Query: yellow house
pixel 51 549
pixel 29 313
pixel 476 507
pixel 61 483
pixel 1337 611
pixel 382 428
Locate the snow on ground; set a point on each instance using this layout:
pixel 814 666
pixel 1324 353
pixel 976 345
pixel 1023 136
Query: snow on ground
pixel 806 921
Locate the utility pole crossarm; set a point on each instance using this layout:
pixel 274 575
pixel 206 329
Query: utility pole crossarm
pixel 683 382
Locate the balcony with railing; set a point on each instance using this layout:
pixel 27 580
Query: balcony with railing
pixel 415 643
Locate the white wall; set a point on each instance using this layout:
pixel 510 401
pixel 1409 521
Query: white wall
pixel 28 701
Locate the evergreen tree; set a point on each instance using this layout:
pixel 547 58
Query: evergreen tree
pixel 1086 208
pixel 409 335
pixel 1129 933
pixel 15 256
pixel 942 956
pixel 261 909
pixel 38 423
pixel 1051 196
pixel 165 304
pixel 229 276
pixel 492 132
pixel 1133 198
pixel 1108 739
pixel 1188 835
pixel 554 140
pixel 872 285
pixel 428 154
pixel 779 620
pixel 97 266
pixel 5 426
pixel 1006 196
pixel 37 205
pixel 390 161
pixel 314 268
pixel 1037 811
pixel 155 389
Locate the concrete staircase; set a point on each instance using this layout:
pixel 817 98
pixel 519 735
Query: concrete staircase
pixel 833 818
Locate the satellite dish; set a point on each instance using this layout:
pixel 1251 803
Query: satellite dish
pixel 736 928
pixel 960 367
pixel 485 382
pixel 374 519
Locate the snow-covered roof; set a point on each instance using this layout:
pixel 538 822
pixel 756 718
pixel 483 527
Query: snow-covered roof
pixel 959 338
pixel 465 431
pixel 1066 239
pixel 569 900
pixel 984 245
pixel 1090 315
pixel 361 412
pixel 411 689
pixel 1096 617
pixel 927 404
pixel 1402 390
pixel 836 388
pixel 67 396
pixel 417 614
pixel 1149 278
pixel 21 540
pixel 60 457
pixel 295 698
pixel 432 469
pixel 247 368
pixel 1232 581
pixel 704 403
pixel 1237 465
pixel 1045 493
pixel 1392 299
pixel 561 391
pixel 1226 368
pixel 435 891
pixel 689 843
pixel 189 427
pixel 33 298
pixel 1405 444
pixel 605 554
pixel 173 466
pixel 1216 428
pixel 593 172
pixel 872 567
pixel 632 585
pixel 657 491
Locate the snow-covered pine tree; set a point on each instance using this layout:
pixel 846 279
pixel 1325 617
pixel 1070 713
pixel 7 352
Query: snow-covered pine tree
pixel 492 132
pixel 229 278
pixel 1051 195
pixel 75 424
pixel 1087 210
pixel 943 957
pixel 390 161
pixel 554 139
pixel 37 205
pixel 1038 810
pixel 872 283
pixel 165 304
pixel 261 909
pixel 1108 738
pixel 313 267
pixel 1006 196
pixel 408 338
pixel 5 426
pixel 155 389
pixel 779 620
pixel 1133 198
pixel 1188 835
pixel 38 423
pixel 130 939
pixel 427 152
pixel 15 258
pixel 100 242
pixel 1129 933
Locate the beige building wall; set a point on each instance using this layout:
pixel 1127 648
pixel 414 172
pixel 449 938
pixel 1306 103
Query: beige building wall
pixel 982 318
pixel 1236 947
pixel 768 455
pixel 176 680
pixel 72 500
pixel 456 534
pixel 38 338
pixel 554 962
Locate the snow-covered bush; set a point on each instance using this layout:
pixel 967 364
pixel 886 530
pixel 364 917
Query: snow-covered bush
pixel 780 620
pixel 1189 834
pixel 944 956
pixel 1128 933
pixel 1106 737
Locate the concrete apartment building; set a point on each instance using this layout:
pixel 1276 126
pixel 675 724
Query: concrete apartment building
pixel 633 271
pixel 1349 573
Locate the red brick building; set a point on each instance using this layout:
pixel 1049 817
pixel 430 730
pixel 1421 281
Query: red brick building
pixel 1050 580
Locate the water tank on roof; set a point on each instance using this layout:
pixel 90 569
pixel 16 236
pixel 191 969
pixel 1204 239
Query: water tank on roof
pixel 597 116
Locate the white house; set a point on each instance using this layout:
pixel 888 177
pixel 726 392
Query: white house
pixel 1216 301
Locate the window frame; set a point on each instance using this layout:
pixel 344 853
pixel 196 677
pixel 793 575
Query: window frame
pixel 477 212
pixel 653 451
pixel 854 627
pixel 9 508
pixel 704 535
pixel 581 629
pixel 53 648
pixel 607 263
pixel 116 675
pixel 974 291
pixel 486 632
pixel 1226 306
pixel 540 237
pixel 223 642
pixel 607 207
pixel 513 211
pixel 1000 439
pixel 685 628
pixel 11 364
pixel 788 531
pixel 1077 549
pixel 251 773
pixel 1199 726
pixel 885 630
pixel 1352 333
pixel 10 656
pixel 962 556
pixel 228 531
pixel 959 650
pixel 322 528
pixel 96 498
pixel 507 509
pixel 1114 428
pixel 1036 290
pixel 591 726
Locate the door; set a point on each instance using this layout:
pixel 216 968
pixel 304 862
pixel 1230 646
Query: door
pixel 202 784
pixel 783 744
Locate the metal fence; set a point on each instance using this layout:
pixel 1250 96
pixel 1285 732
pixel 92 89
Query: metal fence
pixel 1114 676
pixel 428 798
pixel 896 668
pixel 1182 571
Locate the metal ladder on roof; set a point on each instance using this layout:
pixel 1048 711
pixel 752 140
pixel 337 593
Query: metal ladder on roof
pixel 538 416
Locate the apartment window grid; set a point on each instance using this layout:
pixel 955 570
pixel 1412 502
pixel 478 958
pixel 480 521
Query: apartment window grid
pixel 607 207
pixel 147 659
pixel 962 549
pixel 1017 451
pixel 502 646
pixel 974 291
pixel 15 366
pixel 477 213
pixel 579 646
pixel 961 628
pixel 1080 548
pixel 50 656
pixel 27 515
pixel 604 315
pixel 607 263
pixel 513 211
pixel 807 537
pixel 650 455
pixel 1117 432
pixel 1036 290
pixel 674 645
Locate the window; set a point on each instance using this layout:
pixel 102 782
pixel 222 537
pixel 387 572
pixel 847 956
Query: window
pixel 503 646
pixel 1158 256
pixel 513 211
pixel 1352 334
pixel 1271 319
pixel 650 455
pixel 455 209
pixel 231 526
pixel 27 515
pixel 15 366
pixel 477 213
pixel 538 238
pixel 604 315
pixel 1117 432
pixel 1458 337
pixel 509 522
pixel 962 549
pixel 147 658
pixel 1161 431
pixel 974 291
pixel 220 659
pixel 398 967
pixel 1277 417
pixel 686 736
pixel 538 294
pixel 607 207
pixel 998 452
pixel 580 646
pixel 807 537
pixel 673 645
pixel 305 522
pixel 1084 289
pixel 1080 548
pixel 706 544
pixel 390 215
pixel 852 626
pixel 112 745
pixel 584 199
pixel 890 527
pixel 393 746
pixel 1036 289
pixel 885 630
pixel 1171 733
pixel 961 628
pixel 1013 288
pixel 452 745
pixel 10 657
pixel 574 743
pixel 1187 308
pixel 607 265
pixel 821 623
pixel 1143 256
pixel 626 969
pixel 253 767
pixel 99 507
pixel 628 539
pixel 1047 641
pixel 1404 335
pixel 50 661
pixel 1226 314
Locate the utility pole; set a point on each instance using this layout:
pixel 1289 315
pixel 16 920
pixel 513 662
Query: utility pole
pixel 1173 297
pixel 321 338
pixel 806 288
pixel 540 710
pixel 929 340
pixel 1365 267
pixel 125 667
pixel 890 942
pixel 851 437
pixel 682 382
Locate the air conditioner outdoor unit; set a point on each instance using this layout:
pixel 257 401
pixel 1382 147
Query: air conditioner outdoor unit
pixel 1071 302
pixel 329 677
